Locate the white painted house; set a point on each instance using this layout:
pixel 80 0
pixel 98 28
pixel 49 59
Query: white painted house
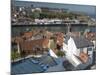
pixel 78 50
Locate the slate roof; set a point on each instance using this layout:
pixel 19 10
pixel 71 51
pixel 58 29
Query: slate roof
pixel 80 42
pixel 25 67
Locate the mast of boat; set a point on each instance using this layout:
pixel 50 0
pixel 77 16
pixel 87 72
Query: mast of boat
pixel 68 28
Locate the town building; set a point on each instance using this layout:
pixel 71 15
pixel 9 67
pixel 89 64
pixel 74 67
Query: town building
pixel 78 50
pixel 34 46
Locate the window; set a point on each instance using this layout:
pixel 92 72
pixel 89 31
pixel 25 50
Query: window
pixel 90 49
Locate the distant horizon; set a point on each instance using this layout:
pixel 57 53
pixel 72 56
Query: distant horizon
pixel 90 10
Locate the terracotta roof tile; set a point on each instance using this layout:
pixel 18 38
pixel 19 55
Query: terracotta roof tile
pixel 83 57
pixel 29 45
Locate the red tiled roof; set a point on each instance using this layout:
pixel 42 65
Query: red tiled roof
pixel 83 57
pixel 30 45
pixel 90 36
pixel 28 34
pixel 17 40
pixel 59 38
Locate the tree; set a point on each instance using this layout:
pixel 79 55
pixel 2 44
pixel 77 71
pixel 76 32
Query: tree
pixel 35 15
pixel 60 53
pixel 32 16
pixel 14 55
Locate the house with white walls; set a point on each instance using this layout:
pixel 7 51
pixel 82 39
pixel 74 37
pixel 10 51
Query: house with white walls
pixel 78 50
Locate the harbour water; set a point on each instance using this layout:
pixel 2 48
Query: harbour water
pixel 17 29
